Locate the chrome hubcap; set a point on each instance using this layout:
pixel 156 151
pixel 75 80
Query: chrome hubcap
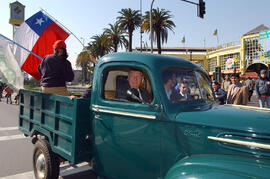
pixel 40 166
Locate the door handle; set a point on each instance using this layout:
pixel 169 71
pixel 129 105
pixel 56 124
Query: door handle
pixel 98 117
pixel 102 122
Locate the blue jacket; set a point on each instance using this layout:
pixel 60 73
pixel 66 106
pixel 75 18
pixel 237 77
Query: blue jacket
pixel 55 72
pixel 261 87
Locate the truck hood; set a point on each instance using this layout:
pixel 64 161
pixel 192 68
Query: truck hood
pixel 237 117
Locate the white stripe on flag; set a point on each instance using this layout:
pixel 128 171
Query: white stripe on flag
pixel 26 36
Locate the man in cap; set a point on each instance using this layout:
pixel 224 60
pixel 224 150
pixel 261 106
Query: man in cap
pixel 56 70
pixel 262 88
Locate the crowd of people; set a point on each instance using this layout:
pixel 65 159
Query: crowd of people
pixel 233 90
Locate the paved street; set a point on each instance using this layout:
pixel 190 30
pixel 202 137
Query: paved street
pixel 254 101
pixel 16 151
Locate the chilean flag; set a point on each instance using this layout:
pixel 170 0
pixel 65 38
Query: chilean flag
pixel 37 34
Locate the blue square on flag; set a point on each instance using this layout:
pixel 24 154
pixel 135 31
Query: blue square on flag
pixel 39 22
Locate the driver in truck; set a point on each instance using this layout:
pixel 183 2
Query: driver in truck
pixel 134 85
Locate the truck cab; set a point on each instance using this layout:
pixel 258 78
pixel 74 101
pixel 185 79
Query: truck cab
pixel 138 140
pixel 179 132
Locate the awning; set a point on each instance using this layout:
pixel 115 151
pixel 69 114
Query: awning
pixel 250 74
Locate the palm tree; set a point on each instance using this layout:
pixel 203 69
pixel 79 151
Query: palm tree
pixel 100 46
pixel 84 61
pixel 116 35
pixel 129 20
pixel 161 22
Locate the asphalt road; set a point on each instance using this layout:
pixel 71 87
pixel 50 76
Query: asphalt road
pixel 16 151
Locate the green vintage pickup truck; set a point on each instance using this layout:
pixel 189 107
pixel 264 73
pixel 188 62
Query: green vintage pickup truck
pixel 168 136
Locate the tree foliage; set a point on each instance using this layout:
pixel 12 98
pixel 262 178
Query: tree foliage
pixel 129 20
pixel 100 46
pixel 84 61
pixel 116 35
pixel 161 23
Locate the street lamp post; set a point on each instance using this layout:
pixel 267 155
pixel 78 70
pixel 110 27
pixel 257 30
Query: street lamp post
pixel 84 66
pixel 151 30
pixel 141 23
pixel 83 43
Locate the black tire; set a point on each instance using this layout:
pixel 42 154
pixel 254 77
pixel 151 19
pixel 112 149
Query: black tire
pixel 50 169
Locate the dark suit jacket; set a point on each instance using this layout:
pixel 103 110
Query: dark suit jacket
pixel 176 97
pixel 121 93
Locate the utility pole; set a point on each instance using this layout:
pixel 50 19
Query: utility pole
pixel 151 28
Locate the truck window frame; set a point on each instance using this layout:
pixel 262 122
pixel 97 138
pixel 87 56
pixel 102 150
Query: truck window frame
pixel 125 69
pixel 195 73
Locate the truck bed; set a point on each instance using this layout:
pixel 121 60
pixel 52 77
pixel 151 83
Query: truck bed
pixel 66 123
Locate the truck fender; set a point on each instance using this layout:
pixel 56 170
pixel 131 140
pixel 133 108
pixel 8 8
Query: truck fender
pixel 40 133
pixel 219 166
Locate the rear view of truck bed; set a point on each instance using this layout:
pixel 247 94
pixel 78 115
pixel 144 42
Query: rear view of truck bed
pixel 65 123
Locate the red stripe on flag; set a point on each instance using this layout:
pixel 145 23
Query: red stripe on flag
pixel 43 47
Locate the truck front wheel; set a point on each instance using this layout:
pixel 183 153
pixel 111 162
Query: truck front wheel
pixel 45 161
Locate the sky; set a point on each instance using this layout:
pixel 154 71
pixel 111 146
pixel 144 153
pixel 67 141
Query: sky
pixel 86 18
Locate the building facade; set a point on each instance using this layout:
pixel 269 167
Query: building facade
pixel 250 54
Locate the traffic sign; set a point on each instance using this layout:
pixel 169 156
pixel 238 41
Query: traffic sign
pixel 264 34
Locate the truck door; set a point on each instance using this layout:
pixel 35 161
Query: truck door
pixel 126 132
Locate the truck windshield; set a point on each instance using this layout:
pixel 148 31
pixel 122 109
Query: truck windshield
pixel 184 85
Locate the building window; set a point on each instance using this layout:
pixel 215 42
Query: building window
pixel 252 50
pixel 230 61
pixel 212 63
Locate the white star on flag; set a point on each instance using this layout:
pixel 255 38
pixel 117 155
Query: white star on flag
pixel 39 21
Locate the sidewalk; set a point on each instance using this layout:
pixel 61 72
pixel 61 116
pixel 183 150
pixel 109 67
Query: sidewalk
pixel 254 101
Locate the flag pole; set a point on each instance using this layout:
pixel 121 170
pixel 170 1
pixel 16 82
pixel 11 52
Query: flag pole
pixel 64 27
pixel 21 46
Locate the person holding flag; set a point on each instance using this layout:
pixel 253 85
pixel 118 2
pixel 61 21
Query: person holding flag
pixel 34 40
pixel 56 70
pixel 37 37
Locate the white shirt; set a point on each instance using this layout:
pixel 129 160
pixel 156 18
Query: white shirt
pixel 184 95
pixel 140 95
